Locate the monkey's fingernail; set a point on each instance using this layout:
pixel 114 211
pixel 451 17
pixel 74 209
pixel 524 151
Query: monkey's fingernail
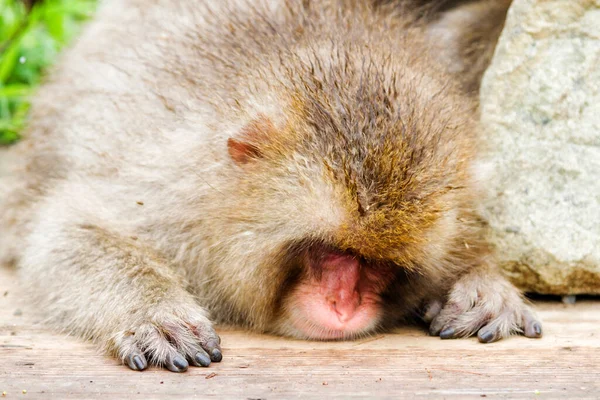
pixel 216 355
pixel 213 349
pixel 203 359
pixel 177 364
pixel 537 329
pixel 140 363
pixel 486 337
pixel 137 362
pixel 447 333
pixel 180 362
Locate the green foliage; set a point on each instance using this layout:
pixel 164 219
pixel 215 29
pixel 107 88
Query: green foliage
pixel 29 43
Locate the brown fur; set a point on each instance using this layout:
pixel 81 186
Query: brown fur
pixel 466 37
pixel 463 33
pixel 182 158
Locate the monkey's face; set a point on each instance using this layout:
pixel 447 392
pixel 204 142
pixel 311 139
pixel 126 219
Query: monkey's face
pixel 372 178
pixel 310 286
pixel 333 229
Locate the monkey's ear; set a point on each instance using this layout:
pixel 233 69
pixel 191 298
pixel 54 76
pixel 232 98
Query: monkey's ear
pixel 246 146
pixel 242 152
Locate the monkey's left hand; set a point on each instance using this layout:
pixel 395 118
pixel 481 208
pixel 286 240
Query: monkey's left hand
pixel 485 303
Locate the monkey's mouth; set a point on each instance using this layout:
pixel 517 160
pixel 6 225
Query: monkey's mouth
pixel 317 318
pixel 338 298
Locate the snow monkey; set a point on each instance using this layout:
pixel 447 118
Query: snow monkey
pixel 304 168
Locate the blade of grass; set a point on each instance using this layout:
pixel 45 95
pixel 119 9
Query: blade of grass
pixel 8 137
pixel 15 91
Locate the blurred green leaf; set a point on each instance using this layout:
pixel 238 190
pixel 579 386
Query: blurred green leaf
pixel 9 60
pixel 29 44
pixel 8 136
pixel 16 90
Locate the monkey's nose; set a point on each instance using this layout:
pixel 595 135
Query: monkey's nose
pixel 345 306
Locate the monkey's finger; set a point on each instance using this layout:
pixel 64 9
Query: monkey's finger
pixel 467 324
pixel 157 346
pixel 214 350
pixel 200 358
pixel 129 351
pixel 210 341
pixel 501 326
pixel 438 326
pixel 460 301
pixel 136 361
pixel 488 334
pixel 448 333
pixel 176 363
pixel 432 310
pixel 441 324
pixel 532 327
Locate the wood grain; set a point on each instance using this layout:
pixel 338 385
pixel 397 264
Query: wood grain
pixel 565 364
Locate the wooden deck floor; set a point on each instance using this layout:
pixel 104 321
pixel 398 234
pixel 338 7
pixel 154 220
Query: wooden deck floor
pixel 564 364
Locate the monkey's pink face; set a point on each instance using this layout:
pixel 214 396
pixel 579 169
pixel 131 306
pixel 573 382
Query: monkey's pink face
pixel 338 298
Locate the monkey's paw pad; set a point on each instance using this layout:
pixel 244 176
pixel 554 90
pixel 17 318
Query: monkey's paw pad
pixel 490 307
pixel 174 340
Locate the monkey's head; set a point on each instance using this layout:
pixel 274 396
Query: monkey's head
pixel 343 206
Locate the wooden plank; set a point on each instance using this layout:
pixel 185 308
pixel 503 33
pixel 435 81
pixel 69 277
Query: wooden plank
pixel 404 364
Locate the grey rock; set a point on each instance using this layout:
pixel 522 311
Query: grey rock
pixel 540 110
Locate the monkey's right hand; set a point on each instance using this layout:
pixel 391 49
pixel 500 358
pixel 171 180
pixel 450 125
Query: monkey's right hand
pixel 115 290
pixel 170 336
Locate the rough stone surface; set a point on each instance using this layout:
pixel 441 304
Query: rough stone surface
pixel 540 103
